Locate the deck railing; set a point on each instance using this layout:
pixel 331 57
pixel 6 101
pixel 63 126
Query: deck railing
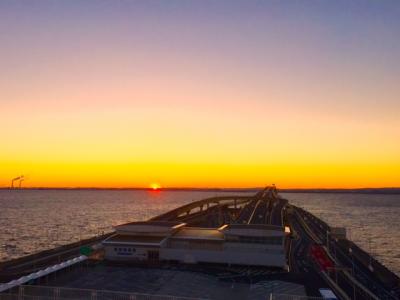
pixel 291 297
pixel 34 292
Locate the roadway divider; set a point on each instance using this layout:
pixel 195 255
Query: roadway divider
pixel 307 229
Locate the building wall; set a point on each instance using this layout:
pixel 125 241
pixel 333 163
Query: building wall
pixel 127 252
pixel 194 244
pixel 241 249
pixel 230 253
pixel 227 256
pixel 266 240
pixel 247 247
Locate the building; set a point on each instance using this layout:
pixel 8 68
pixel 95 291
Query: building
pixel 154 241
pixel 139 241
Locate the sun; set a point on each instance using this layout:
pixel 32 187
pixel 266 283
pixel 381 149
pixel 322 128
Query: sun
pixel 155 186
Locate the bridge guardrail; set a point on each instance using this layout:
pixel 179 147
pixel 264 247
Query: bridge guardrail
pixel 34 292
pixel 291 297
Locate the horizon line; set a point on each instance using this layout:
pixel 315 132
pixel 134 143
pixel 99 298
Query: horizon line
pixel 196 188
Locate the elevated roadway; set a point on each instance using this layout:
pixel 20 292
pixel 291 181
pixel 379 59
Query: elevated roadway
pixel 200 208
pixel 266 208
pixel 349 277
pixel 363 277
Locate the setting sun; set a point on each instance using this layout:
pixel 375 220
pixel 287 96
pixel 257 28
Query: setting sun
pixel 155 186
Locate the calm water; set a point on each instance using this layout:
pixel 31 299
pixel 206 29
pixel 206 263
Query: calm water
pixel 35 220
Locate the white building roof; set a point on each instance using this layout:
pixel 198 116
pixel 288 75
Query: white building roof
pixel 124 239
pixel 196 233
pixel 151 227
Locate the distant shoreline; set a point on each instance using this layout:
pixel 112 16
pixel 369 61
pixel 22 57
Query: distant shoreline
pixel 390 191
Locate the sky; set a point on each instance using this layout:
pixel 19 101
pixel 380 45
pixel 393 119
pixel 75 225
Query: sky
pixel 200 93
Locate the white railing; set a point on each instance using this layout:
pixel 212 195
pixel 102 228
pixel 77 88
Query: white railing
pixel 42 273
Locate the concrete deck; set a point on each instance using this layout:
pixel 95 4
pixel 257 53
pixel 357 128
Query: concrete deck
pixel 173 282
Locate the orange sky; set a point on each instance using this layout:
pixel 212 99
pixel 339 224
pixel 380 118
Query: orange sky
pixel 190 97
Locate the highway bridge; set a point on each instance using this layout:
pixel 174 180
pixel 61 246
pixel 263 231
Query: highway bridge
pixel 341 265
pixel 224 207
pixel 352 274
pixel 266 208
pixel 350 277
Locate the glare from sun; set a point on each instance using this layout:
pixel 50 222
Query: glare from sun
pixel 155 186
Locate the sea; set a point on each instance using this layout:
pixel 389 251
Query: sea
pixel 35 220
